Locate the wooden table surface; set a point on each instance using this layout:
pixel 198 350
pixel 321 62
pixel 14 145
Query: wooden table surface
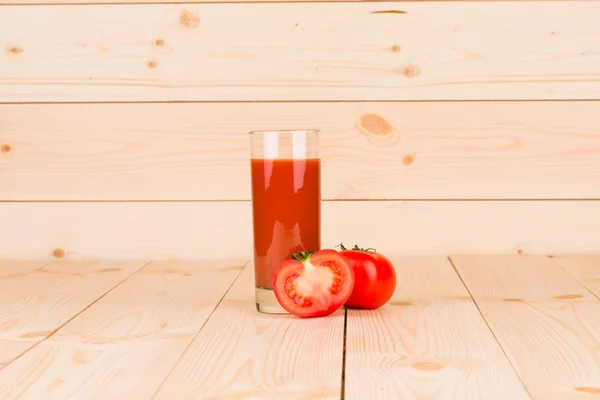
pixel 463 327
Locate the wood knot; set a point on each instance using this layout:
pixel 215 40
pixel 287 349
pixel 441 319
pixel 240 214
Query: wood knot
pixel 389 12
pixel 35 335
pixel 14 50
pixel 58 253
pixel 567 297
pixel 512 300
pixel 56 382
pixel 428 366
pixel 85 356
pixel 159 42
pixel 587 389
pixel 5 148
pixel 110 270
pixel 396 48
pixel 408 159
pixel 410 71
pixel 189 19
pixel 152 64
pixel 376 125
pixel 400 303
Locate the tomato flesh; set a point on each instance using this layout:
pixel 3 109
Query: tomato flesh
pixel 375 279
pixel 316 286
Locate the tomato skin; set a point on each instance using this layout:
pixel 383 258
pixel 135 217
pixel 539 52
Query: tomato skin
pixel 314 287
pixel 375 279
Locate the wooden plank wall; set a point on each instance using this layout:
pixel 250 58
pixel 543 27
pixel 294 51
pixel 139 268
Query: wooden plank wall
pixel 448 127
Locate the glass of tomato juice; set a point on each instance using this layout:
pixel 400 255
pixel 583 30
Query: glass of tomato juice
pixel 286 204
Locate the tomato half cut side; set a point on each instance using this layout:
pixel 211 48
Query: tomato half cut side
pixel 314 285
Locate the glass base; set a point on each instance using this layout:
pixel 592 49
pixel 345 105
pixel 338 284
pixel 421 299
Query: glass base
pixel 266 302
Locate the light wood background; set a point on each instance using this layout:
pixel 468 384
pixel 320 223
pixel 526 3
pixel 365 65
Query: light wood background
pixel 448 127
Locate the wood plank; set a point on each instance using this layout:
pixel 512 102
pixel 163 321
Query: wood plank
pixel 127 230
pixel 125 344
pixel 11 349
pixel 586 269
pixel 34 304
pixel 301 51
pixel 421 150
pixel 428 342
pixel 519 279
pixel 18 267
pixel 38 298
pixel 241 353
pixel 48 2
pixel 199 230
pixel 546 322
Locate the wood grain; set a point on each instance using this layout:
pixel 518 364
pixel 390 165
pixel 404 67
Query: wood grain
pixel 241 353
pixel 546 322
pixel 301 51
pixel 199 230
pixel 422 150
pixel 127 230
pixel 125 344
pixel 586 269
pixel 519 279
pixel 38 298
pixel 428 342
pixel 33 304
pixel 11 268
pixel 11 349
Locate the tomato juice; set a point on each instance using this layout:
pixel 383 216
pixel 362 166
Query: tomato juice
pixel 286 211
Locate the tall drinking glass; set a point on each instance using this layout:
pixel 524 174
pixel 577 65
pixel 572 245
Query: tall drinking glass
pixel 286 204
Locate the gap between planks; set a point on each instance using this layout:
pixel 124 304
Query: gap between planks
pixel 102 341
pixel 241 353
pixel 488 326
pixel 345 341
pixel 331 200
pixel 430 341
pixel 546 320
pixel 8 268
pixel 488 290
pixel 280 102
pixel 200 330
pixel 579 268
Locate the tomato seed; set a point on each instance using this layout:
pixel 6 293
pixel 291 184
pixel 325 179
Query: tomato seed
pixel 303 301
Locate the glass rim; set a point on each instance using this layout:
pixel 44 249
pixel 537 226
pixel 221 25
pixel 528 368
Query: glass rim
pixel 284 131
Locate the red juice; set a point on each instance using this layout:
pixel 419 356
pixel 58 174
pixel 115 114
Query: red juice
pixel 286 208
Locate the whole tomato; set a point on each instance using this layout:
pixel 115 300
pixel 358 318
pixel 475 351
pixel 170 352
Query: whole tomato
pixel 374 278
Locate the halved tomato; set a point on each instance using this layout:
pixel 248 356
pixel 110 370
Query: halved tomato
pixel 313 284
